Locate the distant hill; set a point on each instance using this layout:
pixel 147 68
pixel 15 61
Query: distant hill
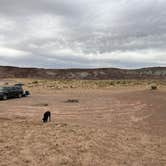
pixel 93 74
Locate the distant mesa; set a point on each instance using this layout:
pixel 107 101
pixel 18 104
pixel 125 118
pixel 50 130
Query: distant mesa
pixel 83 74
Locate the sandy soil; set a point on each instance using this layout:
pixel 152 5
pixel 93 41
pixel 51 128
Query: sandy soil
pixel 106 128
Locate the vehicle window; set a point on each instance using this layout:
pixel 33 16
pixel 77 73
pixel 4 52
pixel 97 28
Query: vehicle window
pixel 5 88
pixel 1 89
pixel 8 88
pixel 17 87
pixel 13 88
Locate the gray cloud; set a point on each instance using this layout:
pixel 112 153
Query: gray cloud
pixel 82 33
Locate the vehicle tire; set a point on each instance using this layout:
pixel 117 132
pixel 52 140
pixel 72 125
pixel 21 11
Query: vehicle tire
pixel 4 97
pixel 19 95
pixel 26 93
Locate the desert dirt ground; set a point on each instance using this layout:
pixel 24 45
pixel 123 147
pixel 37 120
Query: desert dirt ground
pixel 107 127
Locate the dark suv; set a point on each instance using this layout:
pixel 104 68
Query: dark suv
pixel 12 91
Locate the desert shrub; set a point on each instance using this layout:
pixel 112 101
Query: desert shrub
pixel 123 82
pixel 34 82
pixel 112 83
pixel 153 86
pixel 41 104
pixel 72 101
pixel 118 82
pixel 45 104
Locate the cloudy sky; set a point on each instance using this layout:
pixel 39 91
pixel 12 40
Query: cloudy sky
pixel 83 33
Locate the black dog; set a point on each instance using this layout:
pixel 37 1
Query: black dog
pixel 46 115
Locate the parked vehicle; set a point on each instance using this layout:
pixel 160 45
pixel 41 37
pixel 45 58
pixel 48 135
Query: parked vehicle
pixel 12 92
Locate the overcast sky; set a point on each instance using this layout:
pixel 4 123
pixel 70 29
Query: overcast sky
pixel 83 33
